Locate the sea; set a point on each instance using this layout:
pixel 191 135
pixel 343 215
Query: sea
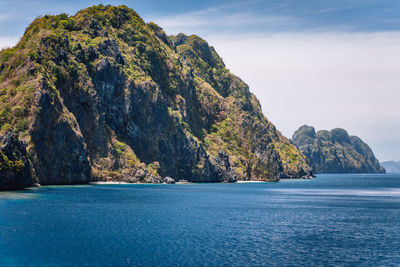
pixel 332 220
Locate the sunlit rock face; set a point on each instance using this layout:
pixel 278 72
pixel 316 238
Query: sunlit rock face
pixel 102 95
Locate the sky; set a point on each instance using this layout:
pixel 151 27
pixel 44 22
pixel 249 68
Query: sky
pixel 325 63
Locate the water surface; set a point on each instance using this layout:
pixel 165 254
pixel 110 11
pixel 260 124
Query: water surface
pixel 331 220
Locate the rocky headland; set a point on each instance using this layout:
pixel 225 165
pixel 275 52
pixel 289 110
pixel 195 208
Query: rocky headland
pixel 336 151
pixel 104 96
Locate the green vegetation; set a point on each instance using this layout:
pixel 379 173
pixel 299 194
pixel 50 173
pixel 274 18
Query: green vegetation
pixel 336 152
pixel 10 165
pixel 80 61
pixel 16 106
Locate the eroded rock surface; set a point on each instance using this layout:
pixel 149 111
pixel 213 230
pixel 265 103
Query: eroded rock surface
pixel 102 95
pixel 335 151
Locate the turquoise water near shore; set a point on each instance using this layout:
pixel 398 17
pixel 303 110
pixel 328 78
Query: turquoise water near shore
pixel 346 219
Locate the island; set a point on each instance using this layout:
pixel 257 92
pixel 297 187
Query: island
pixel 104 96
pixel 336 151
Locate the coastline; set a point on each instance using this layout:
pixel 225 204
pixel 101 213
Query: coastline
pixel 106 182
pixel 180 182
pixel 252 182
pixel 113 182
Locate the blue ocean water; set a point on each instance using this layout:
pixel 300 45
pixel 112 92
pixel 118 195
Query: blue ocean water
pixel 331 220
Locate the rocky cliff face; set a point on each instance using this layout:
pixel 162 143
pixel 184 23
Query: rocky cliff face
pixel 15 166
pixel 102 95
pixel 335 151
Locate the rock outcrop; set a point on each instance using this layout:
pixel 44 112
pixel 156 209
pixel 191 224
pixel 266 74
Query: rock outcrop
pixel 335 151
pixel 15 166
pixel 169 180
pixel 102 95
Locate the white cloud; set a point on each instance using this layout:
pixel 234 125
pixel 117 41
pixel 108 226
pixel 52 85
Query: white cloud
pixel 327 80
pixel 193 21
pixel 7 41
pixel 221 19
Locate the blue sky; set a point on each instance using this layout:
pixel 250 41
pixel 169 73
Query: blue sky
pixel 317 15
pixel 324 63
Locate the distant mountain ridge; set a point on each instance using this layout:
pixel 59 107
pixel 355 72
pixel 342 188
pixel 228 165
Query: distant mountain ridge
pixel 391 166
pixel 103 95
pixel 335 151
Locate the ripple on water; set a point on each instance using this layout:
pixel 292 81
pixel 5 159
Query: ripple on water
pixel 13 195
pixel 391 192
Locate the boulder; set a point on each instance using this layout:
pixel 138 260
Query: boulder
pixel 169 180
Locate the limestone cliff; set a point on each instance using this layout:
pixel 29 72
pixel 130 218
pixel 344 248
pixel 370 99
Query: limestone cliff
pixel 335 151
pixel 102 95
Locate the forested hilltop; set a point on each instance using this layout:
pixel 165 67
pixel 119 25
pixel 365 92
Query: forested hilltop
pixel 103 95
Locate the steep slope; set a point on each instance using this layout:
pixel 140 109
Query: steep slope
pixel 335 151
pixel 102 95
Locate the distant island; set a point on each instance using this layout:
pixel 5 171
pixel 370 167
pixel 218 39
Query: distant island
pixel 391 166
pixel 335 151
pixel 104 96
